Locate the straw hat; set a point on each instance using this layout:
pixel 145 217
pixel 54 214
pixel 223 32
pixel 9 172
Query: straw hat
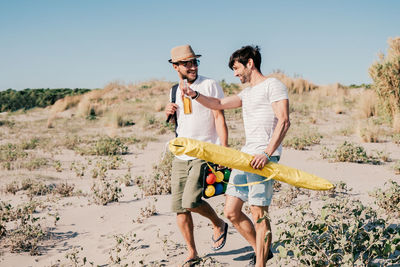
pixel 182 53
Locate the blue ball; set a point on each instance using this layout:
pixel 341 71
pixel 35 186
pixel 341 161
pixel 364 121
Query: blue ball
pixel 219 188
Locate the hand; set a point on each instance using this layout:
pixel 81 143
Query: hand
pixel 259 161
pixel 170 109
pixel 186 90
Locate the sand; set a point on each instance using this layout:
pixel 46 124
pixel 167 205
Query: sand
pixel 87 230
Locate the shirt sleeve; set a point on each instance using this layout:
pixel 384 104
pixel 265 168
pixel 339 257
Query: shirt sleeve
pixel 277 90
pixel 216 90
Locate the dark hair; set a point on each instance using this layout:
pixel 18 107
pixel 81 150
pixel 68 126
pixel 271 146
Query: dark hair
pixel 243 55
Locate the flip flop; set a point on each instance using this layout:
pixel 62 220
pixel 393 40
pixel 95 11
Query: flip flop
pixel 223 237
pixel 191 262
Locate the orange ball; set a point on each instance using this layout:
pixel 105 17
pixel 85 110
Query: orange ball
pixel 211 178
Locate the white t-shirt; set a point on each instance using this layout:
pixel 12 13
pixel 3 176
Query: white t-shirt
pixel 200 124
pixel 258 117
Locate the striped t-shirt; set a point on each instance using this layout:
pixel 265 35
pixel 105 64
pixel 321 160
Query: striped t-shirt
pixel 258 116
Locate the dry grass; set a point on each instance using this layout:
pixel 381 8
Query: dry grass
pixel 369 132
pixel 367 104
pixel 385 74
pixel 296 85
pixel 117 103
pixel 396 123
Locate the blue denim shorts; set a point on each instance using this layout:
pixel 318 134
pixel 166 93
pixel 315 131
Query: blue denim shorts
pixel 258 194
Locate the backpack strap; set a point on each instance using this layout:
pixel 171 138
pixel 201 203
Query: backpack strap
pixel 173 100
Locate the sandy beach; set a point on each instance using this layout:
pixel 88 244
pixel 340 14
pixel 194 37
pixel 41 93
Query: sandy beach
pixel 140 230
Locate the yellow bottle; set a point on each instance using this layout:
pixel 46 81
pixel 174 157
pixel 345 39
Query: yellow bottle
pixel 187 101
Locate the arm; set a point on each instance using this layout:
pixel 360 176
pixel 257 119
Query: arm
pixel 281 110
pixel 220 126
pixel 212 102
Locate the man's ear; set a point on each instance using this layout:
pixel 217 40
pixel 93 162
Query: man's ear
pixel 250 63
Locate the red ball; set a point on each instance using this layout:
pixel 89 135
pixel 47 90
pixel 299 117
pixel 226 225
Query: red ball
pixel 211 178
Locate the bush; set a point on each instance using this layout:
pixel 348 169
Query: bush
pixel 342 233
pixel 106 192
pixel 349 152
pixel 388 199
pixel 110 146
pixel 10 153
pixel 26 232
pixel 160 182
pixel 303 140
pixel 386 76
pixel 12 100
pixel 105 146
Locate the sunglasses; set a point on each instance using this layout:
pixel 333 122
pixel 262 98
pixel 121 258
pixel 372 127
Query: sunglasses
pixel 189 64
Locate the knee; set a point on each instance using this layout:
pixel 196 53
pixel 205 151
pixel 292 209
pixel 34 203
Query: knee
pixel 231 214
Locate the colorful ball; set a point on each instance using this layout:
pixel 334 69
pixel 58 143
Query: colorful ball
pixel 210 191
pixel 219 188
pixel 220 176
pixel 211 178
pixel 227 173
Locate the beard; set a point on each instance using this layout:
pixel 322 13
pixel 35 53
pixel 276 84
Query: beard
pixel 244 79
pixel 190 77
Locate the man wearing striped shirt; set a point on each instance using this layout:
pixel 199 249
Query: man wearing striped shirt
pixel 265 107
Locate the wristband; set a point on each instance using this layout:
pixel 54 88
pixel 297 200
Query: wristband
pixel 196 96
pixel 268 156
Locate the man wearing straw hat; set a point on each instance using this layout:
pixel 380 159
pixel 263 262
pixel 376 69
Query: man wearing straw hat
pixel 201 123
pixel 265 107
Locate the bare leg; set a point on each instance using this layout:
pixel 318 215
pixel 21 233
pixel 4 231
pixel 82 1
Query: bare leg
pixel 185 224
pixel 233 211
pixel 207 211
pixel 263 229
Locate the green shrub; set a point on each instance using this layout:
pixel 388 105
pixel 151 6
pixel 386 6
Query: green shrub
pixel 105 192
pixel 12 100
pixel 386 76
pixel 302 142
pixel 64 189
pixel 342 233
pixel 26 231
pixel 30 144
pixel 349 152
pixel 9 153
pixel 160 182
pixel 388 199
pixel 12 187
pixel 34 163
pixel 110 146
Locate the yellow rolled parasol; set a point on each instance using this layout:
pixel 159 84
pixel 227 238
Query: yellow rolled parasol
pixel 235 159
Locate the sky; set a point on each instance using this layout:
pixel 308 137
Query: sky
pixel 89 43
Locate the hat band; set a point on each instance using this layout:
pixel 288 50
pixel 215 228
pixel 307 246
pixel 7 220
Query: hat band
pixel 182 59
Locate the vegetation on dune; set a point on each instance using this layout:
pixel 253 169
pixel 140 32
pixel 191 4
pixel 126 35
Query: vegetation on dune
pixel 12 100
pixel 295 85
pixel 386 76
pixel 343 233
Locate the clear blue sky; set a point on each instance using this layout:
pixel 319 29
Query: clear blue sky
pixel 88 43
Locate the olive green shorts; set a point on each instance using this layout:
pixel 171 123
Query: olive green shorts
pixel 186 184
